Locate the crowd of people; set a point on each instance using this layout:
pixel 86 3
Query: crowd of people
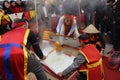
pixel 104 15
pixel 12 7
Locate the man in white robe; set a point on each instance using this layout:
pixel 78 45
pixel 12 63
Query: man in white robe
pixel 67 27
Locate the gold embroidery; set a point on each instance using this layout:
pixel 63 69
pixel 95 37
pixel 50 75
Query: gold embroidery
pixel 0 38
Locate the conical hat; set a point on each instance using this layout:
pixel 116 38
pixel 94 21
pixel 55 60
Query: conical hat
pixel 91 29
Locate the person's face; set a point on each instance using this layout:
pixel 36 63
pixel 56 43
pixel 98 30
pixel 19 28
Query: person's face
pixel 13 4
pixel 18 1
pixel 7 4
pixel 81 43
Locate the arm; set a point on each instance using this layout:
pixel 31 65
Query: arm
pixel 102 40
pixel 58 28
pixel 77 62
pixel 32 40
pixel 73 27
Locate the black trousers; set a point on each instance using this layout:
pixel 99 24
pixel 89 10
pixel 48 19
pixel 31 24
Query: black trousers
pixel 116 37
pixel 82 76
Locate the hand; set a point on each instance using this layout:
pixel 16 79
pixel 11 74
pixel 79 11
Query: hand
pixel 66 38
pixel 60 74
pixel 43 58
pixel 57 33
pixel 69 34
pixel 101 52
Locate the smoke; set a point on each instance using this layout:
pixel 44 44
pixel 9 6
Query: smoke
pixel 92 5
pixel 71 7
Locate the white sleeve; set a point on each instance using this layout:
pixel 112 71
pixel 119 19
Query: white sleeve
pixel 73 27
pixel 58 28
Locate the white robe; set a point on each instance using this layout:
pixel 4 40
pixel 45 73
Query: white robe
pixel 60 29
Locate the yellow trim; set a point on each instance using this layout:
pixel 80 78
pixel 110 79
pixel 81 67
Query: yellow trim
pixel 84 70
pixel 25 62
pixel 0 38
pixel 84 55
pixel 0 19
pixel 26 35
pixel 98 43
pixel 25 53
pixel 102 70
pixel 6 17
pixel 94 64
pixel 32 13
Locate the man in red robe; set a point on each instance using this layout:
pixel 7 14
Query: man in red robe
pixel 88 62
pixel 15 59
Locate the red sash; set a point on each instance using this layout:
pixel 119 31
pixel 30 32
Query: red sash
pixel 68 26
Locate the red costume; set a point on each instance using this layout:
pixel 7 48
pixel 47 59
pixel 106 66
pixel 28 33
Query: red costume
pixel 68 22
pixel 13 54
pixel 93 67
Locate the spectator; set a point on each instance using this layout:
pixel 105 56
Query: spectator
pixel 30 5
pixel 96 37
pixel 44 13
pixel 20 6
pixel 99 15
pixel 89 10
pixel 116 41
pixel 109 18
pixel 5 22
pixel 13 6
pixel 6 7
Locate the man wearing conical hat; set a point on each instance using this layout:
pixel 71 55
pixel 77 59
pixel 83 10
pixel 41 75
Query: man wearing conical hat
pixel 91 29
pixel 95 37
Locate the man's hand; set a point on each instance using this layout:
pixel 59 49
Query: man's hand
pixel 57 33
pixel 43 58
pixel 102 52
pixel 66 38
